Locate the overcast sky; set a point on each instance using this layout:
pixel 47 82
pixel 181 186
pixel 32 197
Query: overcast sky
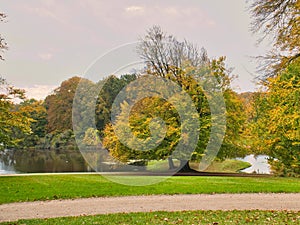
pixel 53 40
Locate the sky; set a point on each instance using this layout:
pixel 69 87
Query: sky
pixel 53 40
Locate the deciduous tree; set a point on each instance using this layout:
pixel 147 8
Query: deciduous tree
pixel 280 20
pixel 276 123
pixel 10 119
pixel 184 64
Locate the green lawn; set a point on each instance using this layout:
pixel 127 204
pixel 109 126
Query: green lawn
pixel 186 217
pixel 227 166
pixel 44 187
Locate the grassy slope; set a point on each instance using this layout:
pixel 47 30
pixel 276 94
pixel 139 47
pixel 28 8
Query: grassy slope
pixel 187 217
pixel 228 166
pixel 31 188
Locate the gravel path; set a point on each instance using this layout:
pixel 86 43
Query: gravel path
pixel 93 206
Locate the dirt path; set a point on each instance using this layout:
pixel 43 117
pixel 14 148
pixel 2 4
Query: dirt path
pixel 93 206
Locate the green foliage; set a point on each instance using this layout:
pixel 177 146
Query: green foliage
pixel 36 111
pixel 111 88
pixel 91 137
pixel 11 121
pixel 61 140
pixel 233 143
pixel 185 65
pixel 140 118
pixel 277 119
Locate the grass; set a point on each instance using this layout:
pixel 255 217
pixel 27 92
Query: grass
pixel 47 187
pixel 162 165
pixel 228 166
pixel 186 217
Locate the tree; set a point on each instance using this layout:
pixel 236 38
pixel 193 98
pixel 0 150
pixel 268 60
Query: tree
pixel 232 145
pixel 280 19
pixel 91 137
pixel 36 111
pixel 165 56
pixel 10 119
pixel 59 106
pixel 141 116
pixel 185 65
pixel 112 86
pixel 277 119
pixel 3 44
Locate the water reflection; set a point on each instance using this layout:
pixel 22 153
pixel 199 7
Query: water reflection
pixel 54 161
pixel 41 161
pixel 259 164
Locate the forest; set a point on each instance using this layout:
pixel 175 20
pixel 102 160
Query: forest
pixel 262 122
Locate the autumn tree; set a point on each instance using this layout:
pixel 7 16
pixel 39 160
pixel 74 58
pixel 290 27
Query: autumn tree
pixel 232 145
pixel 10 119
pixel 187 66
pixel 280 21
pixel 59 106
pixel 140 119
pixel 167 57
pixel 36 111
pixel 276 123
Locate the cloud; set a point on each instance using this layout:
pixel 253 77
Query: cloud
pixel 135 9
pixel 39 92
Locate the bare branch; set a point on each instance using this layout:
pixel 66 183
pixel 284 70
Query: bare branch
pixel 3 44
pixel 165 55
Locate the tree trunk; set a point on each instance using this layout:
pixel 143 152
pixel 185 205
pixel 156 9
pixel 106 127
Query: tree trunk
pixel 171 163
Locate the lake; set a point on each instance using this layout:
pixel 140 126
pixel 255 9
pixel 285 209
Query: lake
pixel 54 161
pixel 259 164
pixel 42 161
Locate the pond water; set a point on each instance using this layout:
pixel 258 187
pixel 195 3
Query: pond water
pixel 259 164
pixel 41 161
pixel 53 161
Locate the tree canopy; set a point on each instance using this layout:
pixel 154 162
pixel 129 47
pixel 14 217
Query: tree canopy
pixel 59 106
pixel 274 123
pixel 184 64
pixel 275 128
pixel 279 20
pixel 11 120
